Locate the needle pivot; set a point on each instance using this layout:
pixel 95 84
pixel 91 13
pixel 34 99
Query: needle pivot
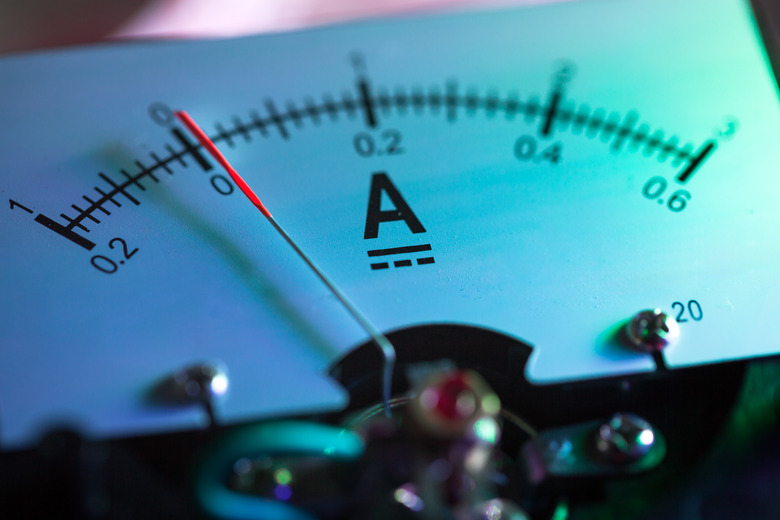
pixel 381 341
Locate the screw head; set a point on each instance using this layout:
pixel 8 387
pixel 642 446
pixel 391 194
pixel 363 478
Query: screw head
pixel 624 439
pixel 202 382
pixel 652 330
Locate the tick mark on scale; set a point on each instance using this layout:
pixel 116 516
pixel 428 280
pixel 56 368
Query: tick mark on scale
pixel 121 261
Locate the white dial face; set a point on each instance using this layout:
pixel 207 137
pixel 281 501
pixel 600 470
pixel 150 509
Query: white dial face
pixel 546 173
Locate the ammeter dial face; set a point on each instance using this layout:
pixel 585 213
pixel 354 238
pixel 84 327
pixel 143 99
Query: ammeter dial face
pixel 545 173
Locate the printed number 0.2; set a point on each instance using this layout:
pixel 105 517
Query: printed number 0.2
pixel 388 143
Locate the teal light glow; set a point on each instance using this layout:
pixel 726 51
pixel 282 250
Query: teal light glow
pixel 561 511
pixel 486 430
pixel 267 439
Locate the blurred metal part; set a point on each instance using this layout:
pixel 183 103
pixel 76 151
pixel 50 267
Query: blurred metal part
pixel 590 449
pixel 652 330
pixel 625 438
pixel 456 404
pixel 202 384
pixel 498 509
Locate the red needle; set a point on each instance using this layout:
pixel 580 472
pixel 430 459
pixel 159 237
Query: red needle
pixel 381 341
pixel 209 145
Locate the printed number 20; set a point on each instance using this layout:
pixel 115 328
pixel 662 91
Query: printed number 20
pixel 694 311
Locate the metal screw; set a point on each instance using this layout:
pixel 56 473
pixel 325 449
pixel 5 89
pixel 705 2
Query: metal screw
pixel 652 330
pixel 624 439
pixel 202 382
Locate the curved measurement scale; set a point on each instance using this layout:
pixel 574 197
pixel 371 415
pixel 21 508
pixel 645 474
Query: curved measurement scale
pixel 545 219
pixel 556 115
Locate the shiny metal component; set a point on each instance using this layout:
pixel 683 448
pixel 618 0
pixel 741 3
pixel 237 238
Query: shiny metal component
pixel 652 330
pixel 440 443
pixel 457 405
pixel 624 439
pixel 201 382
pixel 623 445
pixel 498 509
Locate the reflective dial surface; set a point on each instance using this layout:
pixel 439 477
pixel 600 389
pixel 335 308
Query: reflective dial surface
pixel 545 173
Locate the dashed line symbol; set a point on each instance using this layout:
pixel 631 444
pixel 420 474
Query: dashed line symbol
pixel 407 262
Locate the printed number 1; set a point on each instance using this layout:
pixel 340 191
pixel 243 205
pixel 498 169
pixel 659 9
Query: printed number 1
pixel 15 204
